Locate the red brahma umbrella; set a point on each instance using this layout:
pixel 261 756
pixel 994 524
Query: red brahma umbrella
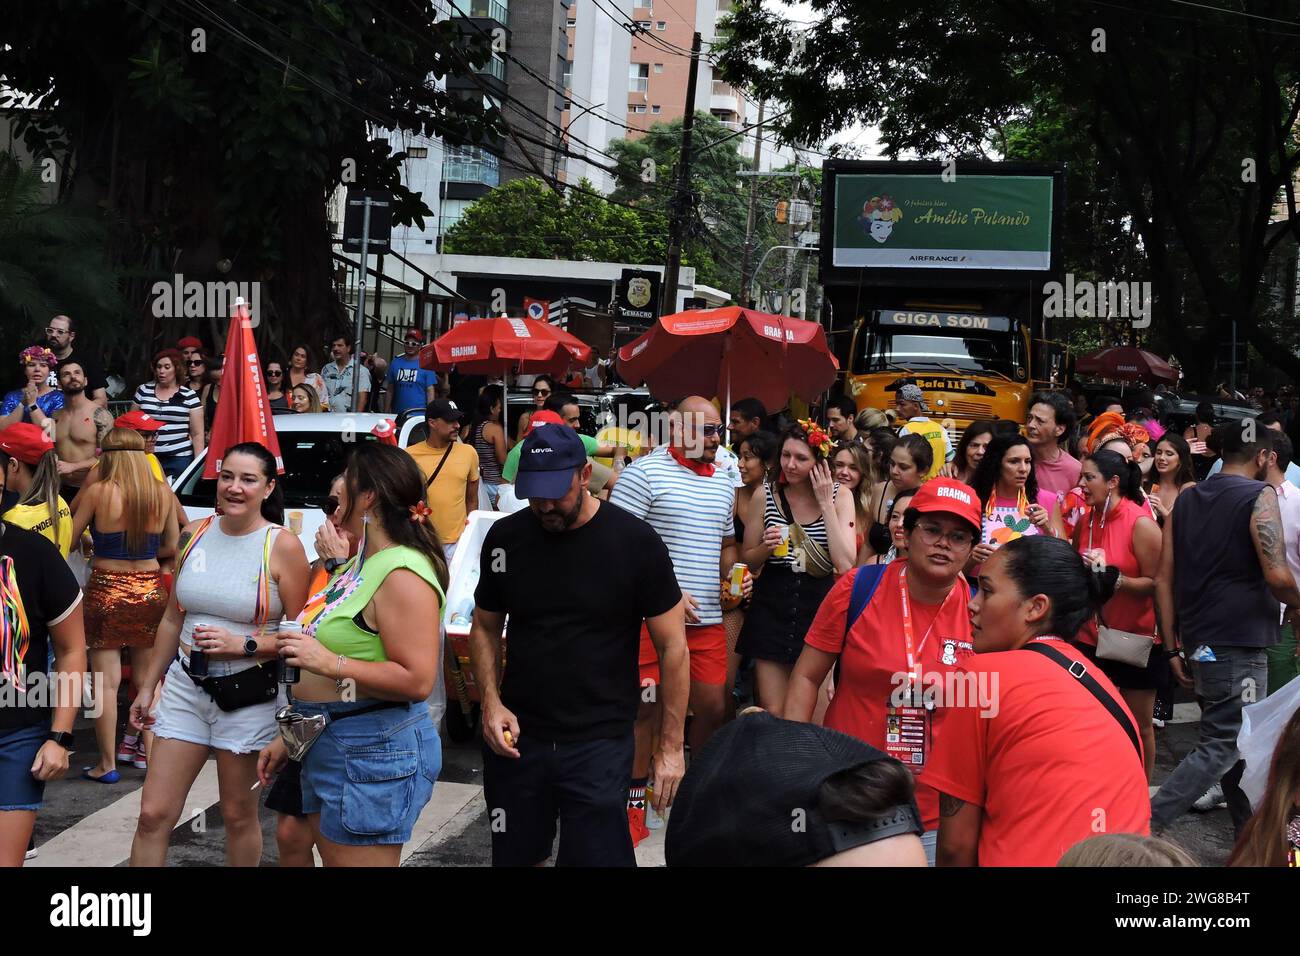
pixel 1126 363
pixel 495 346
pixel 244 412
pixel 731 351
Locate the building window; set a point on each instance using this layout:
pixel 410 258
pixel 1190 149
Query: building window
pixel 659 67
pixel 661 25
pixel 638 76
pixel 638 108
pixel 417 152
pixel 643 25
pixel 567 80
pixel 655 109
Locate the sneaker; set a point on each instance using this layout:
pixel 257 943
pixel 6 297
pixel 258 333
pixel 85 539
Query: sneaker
pixel 636 825
pixel 126 751
pixel 139 760
pixel 32 852
pixel 1211 800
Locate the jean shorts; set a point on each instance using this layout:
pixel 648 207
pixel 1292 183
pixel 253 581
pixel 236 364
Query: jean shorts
pixel 19 790
pixel 370 776
pixel 187 713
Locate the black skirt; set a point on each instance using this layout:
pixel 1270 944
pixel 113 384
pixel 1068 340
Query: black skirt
pixel 781 613
pixel 1155 676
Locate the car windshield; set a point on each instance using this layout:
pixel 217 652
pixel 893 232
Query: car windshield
pixel 969 352
pixel 312 460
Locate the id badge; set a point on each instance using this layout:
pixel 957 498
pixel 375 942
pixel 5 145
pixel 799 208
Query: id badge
pixel 907 735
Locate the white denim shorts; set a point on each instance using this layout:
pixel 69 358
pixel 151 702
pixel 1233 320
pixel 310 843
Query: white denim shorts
pixel 187 713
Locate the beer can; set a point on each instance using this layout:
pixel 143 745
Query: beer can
pixel 737 578
pixel 289 673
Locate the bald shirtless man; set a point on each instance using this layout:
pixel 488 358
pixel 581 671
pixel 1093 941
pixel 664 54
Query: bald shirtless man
pixel 80 426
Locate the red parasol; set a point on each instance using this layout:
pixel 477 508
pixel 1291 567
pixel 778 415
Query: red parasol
pixel 496 346
pixel 731 351
pixel 1126 363
pixel 244 412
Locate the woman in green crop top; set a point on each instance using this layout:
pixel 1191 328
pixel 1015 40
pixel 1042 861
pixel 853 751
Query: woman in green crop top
pixel 369 654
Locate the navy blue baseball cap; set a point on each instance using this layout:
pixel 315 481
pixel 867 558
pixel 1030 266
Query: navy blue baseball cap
pixel 547 461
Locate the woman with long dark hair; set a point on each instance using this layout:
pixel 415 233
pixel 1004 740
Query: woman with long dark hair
pixel 489 440
pixel 178 407
pixel 1013 503
pixel 1173 471
pixel 543 386
pixel 970 452
pixel 1117 531
pixel 276 394
pixel 1035 718
pixel 910 459
pixel 1272 836
pixel 369 657
pixel 800 532
pixel 300 374
pixel 236 576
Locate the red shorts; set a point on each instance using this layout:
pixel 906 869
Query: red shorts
pixel 707 644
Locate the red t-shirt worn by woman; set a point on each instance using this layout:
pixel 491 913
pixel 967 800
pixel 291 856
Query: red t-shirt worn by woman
pixel 1124 611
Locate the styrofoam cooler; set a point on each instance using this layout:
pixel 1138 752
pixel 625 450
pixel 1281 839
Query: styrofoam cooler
pixel 463 573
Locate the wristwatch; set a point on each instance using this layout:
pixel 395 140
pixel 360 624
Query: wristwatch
pixel 33 407
pixel 62 738
pixel 250 646
pixel 1176 652
pixel 333 564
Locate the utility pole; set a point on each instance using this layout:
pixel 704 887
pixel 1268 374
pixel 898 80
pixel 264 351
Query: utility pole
pixel 789 234
pixel 681 194
pixel 747 256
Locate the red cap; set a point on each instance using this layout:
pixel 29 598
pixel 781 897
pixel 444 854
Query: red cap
pixel 26 442
pixel 950 496
pixel 544 417
pixel 190 342
pixel 137 421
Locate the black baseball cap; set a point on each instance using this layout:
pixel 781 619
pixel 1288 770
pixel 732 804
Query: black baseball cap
pixel 739 800
pixel 547 461
pixel 445 409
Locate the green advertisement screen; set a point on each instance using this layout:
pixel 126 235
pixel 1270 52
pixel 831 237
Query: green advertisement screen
pixel 923 222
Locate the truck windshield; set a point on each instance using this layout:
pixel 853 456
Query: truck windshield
pixel 969 352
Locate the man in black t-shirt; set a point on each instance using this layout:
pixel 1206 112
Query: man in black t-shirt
pixel 61 335
pixel 577 578
pixel 35 735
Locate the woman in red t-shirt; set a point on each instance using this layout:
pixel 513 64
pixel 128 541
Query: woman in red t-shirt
pixel 1118 530
pixel 1048 764
pixel 893 660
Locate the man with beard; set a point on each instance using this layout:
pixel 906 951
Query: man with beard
pixel 1223 572
pixel 79 427
pixel 680 492
pixel 61 336
pixel 576 577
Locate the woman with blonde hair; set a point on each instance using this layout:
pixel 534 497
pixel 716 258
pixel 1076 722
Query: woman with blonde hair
pixel 1272 836
pixel 304 398
pixel 869 418
pixel 1126 850
pixel 852 467
pixel 129 514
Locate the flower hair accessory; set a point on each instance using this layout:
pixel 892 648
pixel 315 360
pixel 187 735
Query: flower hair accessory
pixel 816 437
pixel 419 511
pixel 37 354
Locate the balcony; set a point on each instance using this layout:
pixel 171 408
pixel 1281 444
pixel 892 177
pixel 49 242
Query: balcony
pixel 484 9
pixel 469 165
pixel 491 75
pixel 723 98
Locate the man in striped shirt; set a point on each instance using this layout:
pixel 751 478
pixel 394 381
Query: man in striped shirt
pixel 689 501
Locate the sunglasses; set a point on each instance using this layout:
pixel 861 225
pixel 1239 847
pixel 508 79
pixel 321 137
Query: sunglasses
pixel 541 391
pixel 193 362
pixel 273 374
pixel 329 506
pixel 708 431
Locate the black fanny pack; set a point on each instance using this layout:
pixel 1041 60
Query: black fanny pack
pixel 256 685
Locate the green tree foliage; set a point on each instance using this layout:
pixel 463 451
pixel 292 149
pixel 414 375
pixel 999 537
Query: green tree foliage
pixel 526 218
pixel 52 260
pixel 1188 117
pixel 214 130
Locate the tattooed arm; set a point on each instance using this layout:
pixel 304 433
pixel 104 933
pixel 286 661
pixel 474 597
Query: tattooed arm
pixel 1270 546
pixel 959 832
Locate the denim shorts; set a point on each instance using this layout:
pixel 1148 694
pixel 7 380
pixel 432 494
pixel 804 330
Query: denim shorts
pixel 369 776
pixel 19 790
pixel 187 713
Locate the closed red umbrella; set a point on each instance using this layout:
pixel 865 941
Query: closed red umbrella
pixel 244 412
pixel 1126 363
pixel 731 352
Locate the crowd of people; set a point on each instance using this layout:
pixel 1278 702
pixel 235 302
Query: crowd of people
pixel 928 624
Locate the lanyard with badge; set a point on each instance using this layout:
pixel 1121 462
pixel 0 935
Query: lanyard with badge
pixel 908 727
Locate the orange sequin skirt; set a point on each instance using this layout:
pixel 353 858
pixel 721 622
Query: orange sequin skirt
pixel 124 608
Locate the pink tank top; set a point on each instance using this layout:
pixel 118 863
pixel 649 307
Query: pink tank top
pixel 1125 612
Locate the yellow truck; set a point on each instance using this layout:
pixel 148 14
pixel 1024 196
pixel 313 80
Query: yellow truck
pixel 970 366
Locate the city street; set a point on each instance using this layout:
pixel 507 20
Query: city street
pixel 90 824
